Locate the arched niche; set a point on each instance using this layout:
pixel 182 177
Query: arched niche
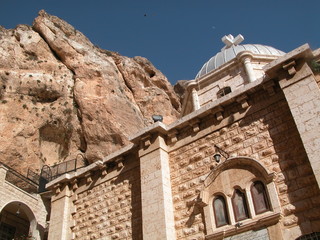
pixel 238 173
pixel 19 217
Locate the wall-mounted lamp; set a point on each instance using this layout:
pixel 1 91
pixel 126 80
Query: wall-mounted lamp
pixel 18 211
pixel 157 118
pixel 220 153
pixel 217 157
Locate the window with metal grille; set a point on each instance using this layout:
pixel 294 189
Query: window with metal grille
pixel 223 91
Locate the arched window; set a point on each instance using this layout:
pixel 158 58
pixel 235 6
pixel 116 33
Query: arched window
pixel 223 91
pixel 259 197
pixel 239 204
pixel 220 211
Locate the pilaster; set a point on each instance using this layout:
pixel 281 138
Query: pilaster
pixel 60 220
pixel 246 59
pixel 156 195
pixel 303 97
pixel 195 99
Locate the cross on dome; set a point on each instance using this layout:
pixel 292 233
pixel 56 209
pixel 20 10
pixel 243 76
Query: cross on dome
pixel 229 40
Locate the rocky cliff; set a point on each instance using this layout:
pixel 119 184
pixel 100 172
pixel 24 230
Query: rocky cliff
pixel 61 96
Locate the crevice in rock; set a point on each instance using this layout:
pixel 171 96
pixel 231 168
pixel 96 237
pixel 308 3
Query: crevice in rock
pixel 83 142
pixel 57 145
pixel 54 53
pixel 117 62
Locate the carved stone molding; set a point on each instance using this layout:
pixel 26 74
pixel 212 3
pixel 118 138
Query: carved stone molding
pixel 217 111
pixel 195 125
pixel 173 136
pixel 243 100
pixel 290 67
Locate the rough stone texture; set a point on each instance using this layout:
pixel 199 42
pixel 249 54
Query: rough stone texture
pixel 38 122
pixel 105 93
pixel 317 77
pixel 60 95
pixel 152 94
pixel 110 209
pixel 263 135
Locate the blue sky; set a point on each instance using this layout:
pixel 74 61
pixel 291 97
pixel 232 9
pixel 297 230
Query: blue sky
pixel 177 36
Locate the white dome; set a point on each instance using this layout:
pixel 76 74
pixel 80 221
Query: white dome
pixel 230 52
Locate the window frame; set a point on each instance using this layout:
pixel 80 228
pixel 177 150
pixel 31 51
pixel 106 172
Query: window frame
pixel 245 204
pixel 223 91
pixel 226 212
pixel 265 196
pixel 253 171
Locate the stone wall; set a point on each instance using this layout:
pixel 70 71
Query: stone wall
pixel 266 132
pixel 110 207
pixel 234 78
pixel 12 194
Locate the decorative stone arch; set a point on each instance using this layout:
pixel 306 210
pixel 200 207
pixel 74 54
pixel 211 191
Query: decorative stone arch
pixel 26 213
pixel 239 162
pixel 238 172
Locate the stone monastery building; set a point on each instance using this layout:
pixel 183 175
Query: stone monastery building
pixel 242 162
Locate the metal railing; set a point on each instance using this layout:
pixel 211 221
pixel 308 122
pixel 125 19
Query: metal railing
pixel 19 180
pixel 48 173
pixel 66 167
pixel 33 176
pixel 35 183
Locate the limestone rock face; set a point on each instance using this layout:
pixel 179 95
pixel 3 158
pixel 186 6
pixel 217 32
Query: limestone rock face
pixel 61 96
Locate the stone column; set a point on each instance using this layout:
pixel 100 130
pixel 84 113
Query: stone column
pixel 303 96
pixel 195 99
pixel 248 67
pixel 60 218
pixel 156 195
